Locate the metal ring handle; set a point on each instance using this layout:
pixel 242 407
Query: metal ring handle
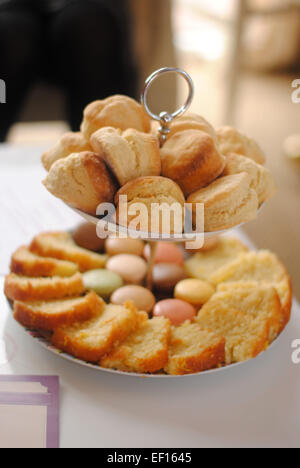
pixel 165 116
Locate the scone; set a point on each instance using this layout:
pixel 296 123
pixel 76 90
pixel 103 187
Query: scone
pixel 258 301
pixel 144 351
pixel 26 263
pixel 93 339
pixel 50 315
pixel 192 159
pixel 203 264
pixel 22 288
pixel 228 202
pixel 60 245
pixel 232 141
pixel 261 267
pixel 262 180
pixel 71 142
pixel 245 337
pixel 116 111
pixel 191 121
pixel 149 205
pixel 193 350
pixel 81 180
pixel 129 154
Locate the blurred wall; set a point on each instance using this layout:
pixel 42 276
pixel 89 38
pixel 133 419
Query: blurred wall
pixel 153 38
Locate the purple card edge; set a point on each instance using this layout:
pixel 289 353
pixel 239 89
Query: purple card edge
pixel 52 384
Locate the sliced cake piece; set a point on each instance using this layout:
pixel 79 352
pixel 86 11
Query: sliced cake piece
pixel 261 267
pixel 203 264
pixel 60 245
pixel 50 315
pixel 256 300
pixel 144 351
pixel 23 288
pixel 92 339
pixel 193 349
pixel 245 336
pixel 27 263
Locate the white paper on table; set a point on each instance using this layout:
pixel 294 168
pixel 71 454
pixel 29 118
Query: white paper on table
pixel 29 411
pixel 23 426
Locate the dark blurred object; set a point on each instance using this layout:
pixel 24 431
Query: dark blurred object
pixel 153 39
pixel 81 46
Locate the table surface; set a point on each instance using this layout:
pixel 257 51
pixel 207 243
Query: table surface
pixel 253 405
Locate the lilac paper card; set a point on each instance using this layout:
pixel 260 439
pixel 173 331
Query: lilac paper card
pixel 29 419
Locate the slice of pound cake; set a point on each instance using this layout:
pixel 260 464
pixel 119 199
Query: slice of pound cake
pixel 145 350
pixel 22 288
pixel 27 263
pixel 92 339
pixel 245 336
pixel 60 245
pixel 50 315
pixel 193 350
pixel 203 264
pixel 260 267
pixel 258 301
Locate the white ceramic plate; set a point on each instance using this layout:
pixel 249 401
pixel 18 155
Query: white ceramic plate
pixel 47 345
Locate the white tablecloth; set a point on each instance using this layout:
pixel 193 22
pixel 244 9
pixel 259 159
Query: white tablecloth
pixel 253 405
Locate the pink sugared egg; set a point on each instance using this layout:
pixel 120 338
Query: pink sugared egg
pixel 176 310
pixel 166 253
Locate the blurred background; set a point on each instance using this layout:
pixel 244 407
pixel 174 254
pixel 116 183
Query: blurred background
pixel 243 56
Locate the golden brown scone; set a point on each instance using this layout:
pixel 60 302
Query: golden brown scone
pixel 191 121
pixel 26 263
pixel 258 301
pixel 93 339
pixel 228 202
pixel 81 180
pixel 245 337
pixel 23 288
pixel 193 350
pixel 129 154
pixel 116 111
pixel 203 264
pixel 192 159
pixel 144 351
pixel 71 142
pixel 261 267
pixel 148 191
pixel 50 315
pixel 232 141
pixel 61 245
pixel 262 180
